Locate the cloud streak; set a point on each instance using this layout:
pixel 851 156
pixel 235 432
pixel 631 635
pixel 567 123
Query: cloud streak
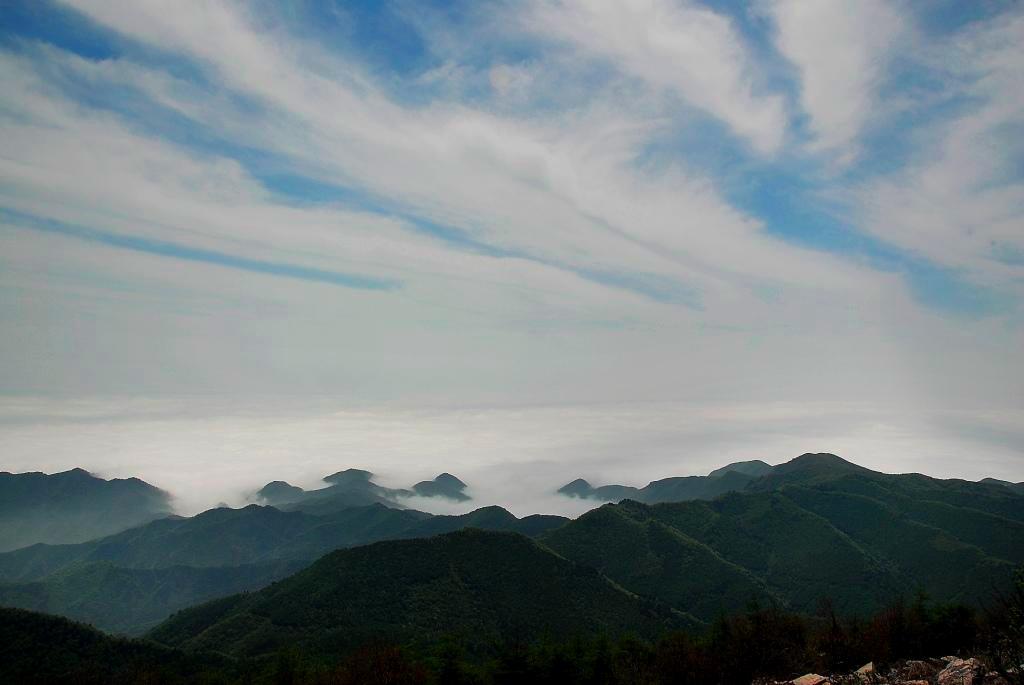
pixel 179 251
pixel 552 202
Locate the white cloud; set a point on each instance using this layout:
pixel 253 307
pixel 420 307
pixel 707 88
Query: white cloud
pixel 840 50
pixel 960 201
pixel 681 47
pixel 563 189
pixel 512 456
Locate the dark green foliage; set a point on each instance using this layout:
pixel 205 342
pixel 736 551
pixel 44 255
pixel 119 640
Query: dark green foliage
pixel 763 641
pixel 480 587
pixel 72 506
pixel 656 560
pixel 1004 641
pixel 35 648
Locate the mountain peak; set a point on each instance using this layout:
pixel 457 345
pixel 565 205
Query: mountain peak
pixel 818 460
pixel 577 488
pixel 754 467
pixel 349 476
pixel 448 478
pixel 445 485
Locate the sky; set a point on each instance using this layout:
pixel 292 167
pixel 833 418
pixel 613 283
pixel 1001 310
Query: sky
pixel 520 241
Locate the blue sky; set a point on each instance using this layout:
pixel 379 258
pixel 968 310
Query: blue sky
pixel 515 202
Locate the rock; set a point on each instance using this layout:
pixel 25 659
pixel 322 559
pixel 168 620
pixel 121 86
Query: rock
pixel 918 670
pixel 961 672
pixel 912 682
pixel 809 679
pixel 866 669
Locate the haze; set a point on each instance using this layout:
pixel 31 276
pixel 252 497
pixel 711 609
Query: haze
pixel 521 242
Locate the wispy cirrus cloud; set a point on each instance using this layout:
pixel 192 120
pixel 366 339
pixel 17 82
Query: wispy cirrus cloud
pixel 840 50
pixel 581 202
pixel 682 48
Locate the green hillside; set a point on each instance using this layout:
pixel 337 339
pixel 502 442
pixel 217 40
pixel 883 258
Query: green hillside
pixel 131 601
pixel 655 560
pixel 815 527
pixel 482 588
pixel 132 580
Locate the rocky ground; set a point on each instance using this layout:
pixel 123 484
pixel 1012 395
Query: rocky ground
pixel 948 670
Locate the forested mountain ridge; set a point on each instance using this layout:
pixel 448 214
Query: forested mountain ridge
pixel 255 534
pixel 130 581
pixel 355 488
pixel 479 587
pixel 133 600
pixel 73 506
pixel 816 527
pixel 729 478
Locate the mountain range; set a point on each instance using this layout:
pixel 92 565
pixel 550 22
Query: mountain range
pixel 816 527
pixel 729 478
pixel 478 587
pixel 355 488
pixel 73 506
pixel 194 557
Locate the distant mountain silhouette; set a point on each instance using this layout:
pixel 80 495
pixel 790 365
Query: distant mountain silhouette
pixel 1016 487
pixel 729 478
pixel 755 467
pixel 355 488
pixel 73 506
pixel 445 485
pixel 476 586
pixel 345 489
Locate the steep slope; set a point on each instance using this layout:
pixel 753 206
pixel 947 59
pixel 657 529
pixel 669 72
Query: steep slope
pixel 72 506
pixel 481 587
pixel 131 601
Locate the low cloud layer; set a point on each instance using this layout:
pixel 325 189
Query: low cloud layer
pixel 210 451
